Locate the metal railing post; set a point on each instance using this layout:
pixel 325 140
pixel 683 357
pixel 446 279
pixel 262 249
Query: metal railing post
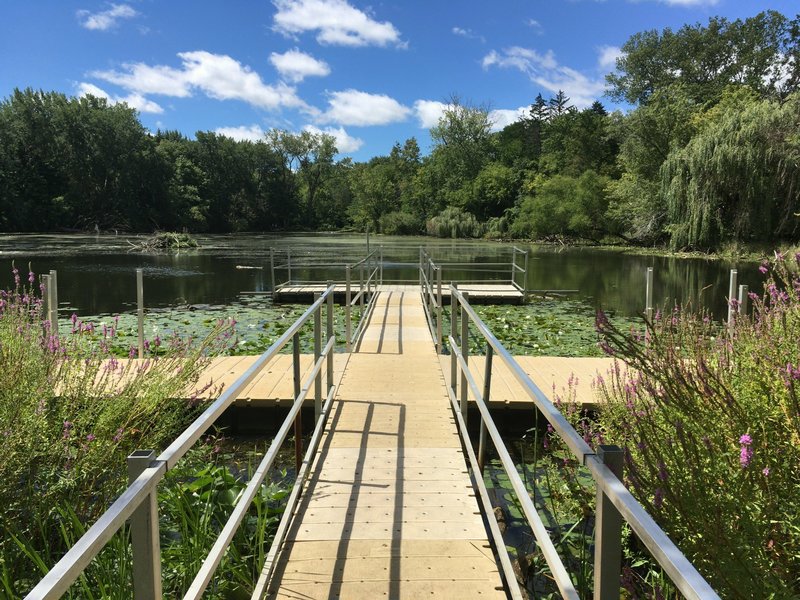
pixel 330 336
pixel 380 279
pixel 54 299
pixel 272 266
pixel 140 309
pixel 648 301
pixel 525 285
pixel 348 323
pixel 317 353
pixel 298 420
pixel 741 309
pixel 420 266
pixel 731 297
pixel 361 287
pixel 145 543
pixel 465 354
pixel 429 289
pixel 513 265
pixel 608 532
pixel 453 334
pixel 439 310
pixel 487 389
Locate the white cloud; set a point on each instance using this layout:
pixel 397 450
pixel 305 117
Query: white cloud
pixel 536 26
pixel 467 33
pixel 503 117
pixel 429 112
pixel 608 56
pixel 218 76
pixel 545 71
pixel 336 21
pixel 353 107
pixel 107 19
pixel 296 65
pixel 243 133
pixel 345 143
pixel 136 101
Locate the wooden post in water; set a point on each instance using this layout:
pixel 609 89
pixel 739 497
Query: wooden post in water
pixel 731 297
pixel 140 309
pixel 648 302
pixel 743 298
pixel 289 265
pixel 368 239
pixel 272 267
pixel 53 298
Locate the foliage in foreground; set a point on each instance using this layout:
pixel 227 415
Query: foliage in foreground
pixel 69 415
pixel 710 426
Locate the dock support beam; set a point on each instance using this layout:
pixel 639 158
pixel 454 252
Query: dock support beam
pixel 348 299
pixel 648 302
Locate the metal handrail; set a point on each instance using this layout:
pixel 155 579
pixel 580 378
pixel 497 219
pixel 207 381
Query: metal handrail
pixel 133 500
pixel 682 573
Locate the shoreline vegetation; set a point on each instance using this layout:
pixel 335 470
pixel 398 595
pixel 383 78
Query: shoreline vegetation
pixel 700 160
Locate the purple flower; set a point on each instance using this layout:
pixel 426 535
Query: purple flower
pixel 90 438
pixel 764 267
pixel 30 277
pixel 765 472
pixel 658 498
pixel 745 452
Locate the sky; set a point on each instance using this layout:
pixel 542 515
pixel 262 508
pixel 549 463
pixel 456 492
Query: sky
pixel 371 74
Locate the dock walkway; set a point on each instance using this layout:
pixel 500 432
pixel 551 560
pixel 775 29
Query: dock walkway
pixel 389 511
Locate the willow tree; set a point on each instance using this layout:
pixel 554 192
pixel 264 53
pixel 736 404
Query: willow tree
pixel 738 178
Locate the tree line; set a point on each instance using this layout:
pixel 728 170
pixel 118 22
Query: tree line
pixel 708 154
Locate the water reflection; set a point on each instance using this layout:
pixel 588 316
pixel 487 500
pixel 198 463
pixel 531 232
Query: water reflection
pixel 97 273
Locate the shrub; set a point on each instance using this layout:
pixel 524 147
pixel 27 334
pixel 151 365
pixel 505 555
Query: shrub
pixel 710 426
pixel 400 223
pixel 69 415
pixel 453 222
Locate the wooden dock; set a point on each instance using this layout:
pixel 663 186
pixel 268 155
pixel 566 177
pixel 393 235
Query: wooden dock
pixel 479 293
pixel 389 510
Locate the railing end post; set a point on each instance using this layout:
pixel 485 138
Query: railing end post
pixel 608 532
pixel 144 534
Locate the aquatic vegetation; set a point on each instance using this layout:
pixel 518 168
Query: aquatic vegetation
pixel 710 426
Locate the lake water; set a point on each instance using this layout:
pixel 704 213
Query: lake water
pixel 96 274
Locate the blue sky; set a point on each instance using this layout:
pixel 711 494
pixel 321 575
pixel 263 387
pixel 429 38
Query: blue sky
pixel 371 74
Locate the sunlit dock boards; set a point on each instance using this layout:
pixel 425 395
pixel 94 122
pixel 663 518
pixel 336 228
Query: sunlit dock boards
pixel 274 386
pixel 479 293
pixel 389 510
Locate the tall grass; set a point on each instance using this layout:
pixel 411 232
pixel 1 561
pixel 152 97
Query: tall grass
pixel 69 415
pixel 710 425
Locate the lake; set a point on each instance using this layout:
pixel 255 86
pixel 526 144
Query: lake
pixel 96 273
